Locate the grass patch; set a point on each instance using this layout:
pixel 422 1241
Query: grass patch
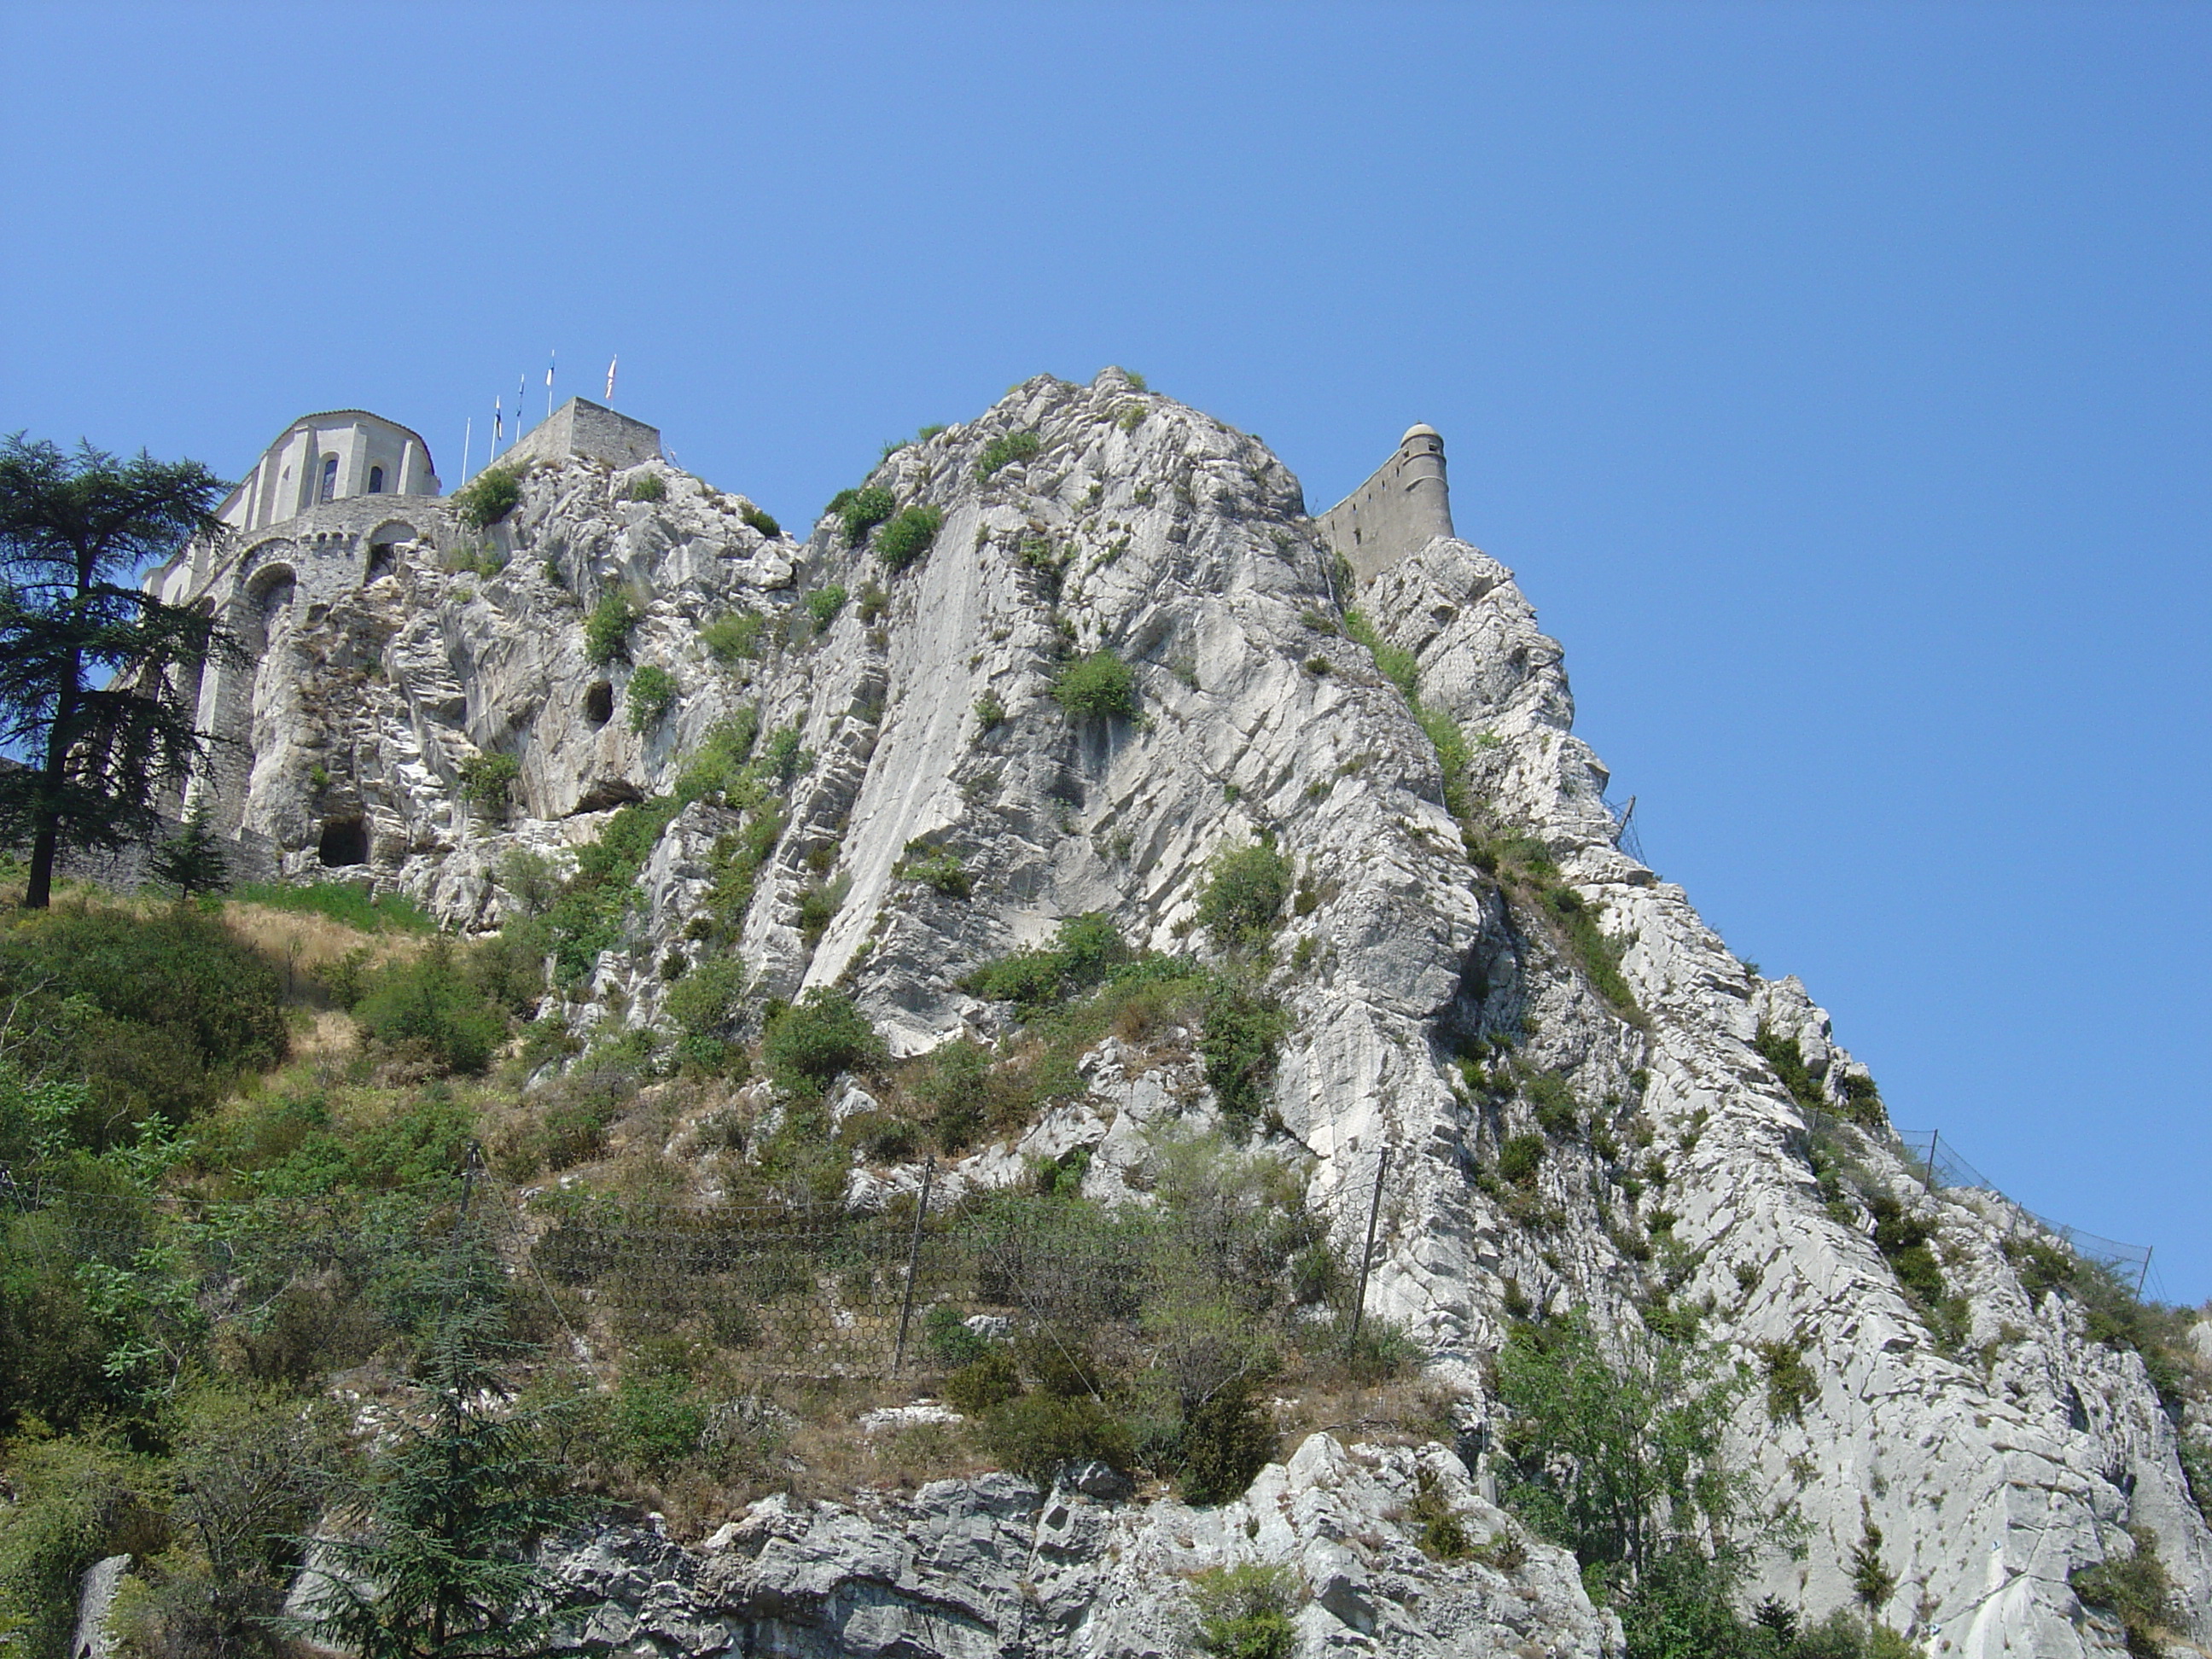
pixel 345 901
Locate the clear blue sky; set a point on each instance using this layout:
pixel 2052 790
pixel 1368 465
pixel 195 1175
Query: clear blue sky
pixel 1834 377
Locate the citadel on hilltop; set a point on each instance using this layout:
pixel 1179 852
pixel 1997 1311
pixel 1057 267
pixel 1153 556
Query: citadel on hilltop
pixel 326 510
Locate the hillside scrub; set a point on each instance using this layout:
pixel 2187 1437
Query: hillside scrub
pixel 134 1015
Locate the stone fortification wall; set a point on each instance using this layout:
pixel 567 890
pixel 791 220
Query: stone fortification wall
pixel 582 428
pixel 1398 512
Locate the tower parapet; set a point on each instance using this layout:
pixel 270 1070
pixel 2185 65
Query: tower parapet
pixel 582 428
pixel 1406 505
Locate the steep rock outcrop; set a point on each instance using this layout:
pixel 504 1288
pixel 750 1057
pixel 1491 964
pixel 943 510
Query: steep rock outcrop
pixel 1994 1457
pixel 976 1569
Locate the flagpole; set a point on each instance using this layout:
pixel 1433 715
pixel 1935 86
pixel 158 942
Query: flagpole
pixel 611 361
pixel 550 359
pixel 468 437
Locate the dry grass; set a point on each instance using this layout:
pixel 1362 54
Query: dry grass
pixel 304 945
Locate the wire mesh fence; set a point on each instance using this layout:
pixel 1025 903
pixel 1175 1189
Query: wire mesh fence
pixel 1941 1167
pixel 788 1291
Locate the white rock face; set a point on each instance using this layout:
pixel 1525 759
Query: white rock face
pixel 991 1566
pixel 1992 1467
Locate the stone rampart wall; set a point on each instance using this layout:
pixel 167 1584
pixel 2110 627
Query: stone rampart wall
pixel 1404 507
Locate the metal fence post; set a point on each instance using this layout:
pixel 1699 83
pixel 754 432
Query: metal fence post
pixel 1934 1137
pixel 913 1261
pixel 1367 1255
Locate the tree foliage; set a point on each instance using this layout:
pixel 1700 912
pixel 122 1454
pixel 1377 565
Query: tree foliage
pixel 436 1562
pixel 91 667
pixel 192 860
pixel 1617 1459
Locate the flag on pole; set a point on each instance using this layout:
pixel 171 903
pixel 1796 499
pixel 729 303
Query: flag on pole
pixel 549 358
pixel 611 361
pixel 498 426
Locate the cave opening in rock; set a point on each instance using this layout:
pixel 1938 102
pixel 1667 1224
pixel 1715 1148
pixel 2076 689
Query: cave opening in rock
pixel 345 841
pixel 599 703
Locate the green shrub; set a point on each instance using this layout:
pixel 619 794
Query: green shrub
pixel 607 630
pixel 760 521
pixel 1242 899
pixel 1226 1441
pixel 717 770
pixel 656 1422
pixel 734 636
pixel 986 1377
pixel 990 713
pixel 75 1501
pixel 489 497
pixel 1005 451
pixel 1100 685
pixel 908 535
pixel 704 1006
pixel 942 870
pixel 1519 1158
pixel 953 1346
pixel 652 694
pixel 1902 1239
pixel 823 1034
pixel 1239 1036
pixel 824 604
pixel 859 511
pixel 1084 950
pixel 1453 758
pixel 1244 1611
pixel 818 906
pixel 488 781
pixel 1038 1433
pixel 430 1004
pixel 1559 1113
pixel 1437 1527
pixel 647 486
pixel 1790 1384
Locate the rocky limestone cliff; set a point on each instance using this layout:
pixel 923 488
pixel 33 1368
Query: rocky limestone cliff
pixel 1993 1461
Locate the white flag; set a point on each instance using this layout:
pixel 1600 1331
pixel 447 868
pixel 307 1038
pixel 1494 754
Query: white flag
pixel 611 361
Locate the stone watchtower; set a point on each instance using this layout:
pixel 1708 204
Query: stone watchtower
pixel 1400 510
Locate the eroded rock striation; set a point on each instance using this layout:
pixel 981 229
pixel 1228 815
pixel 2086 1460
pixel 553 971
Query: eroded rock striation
pixel 1995 1448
